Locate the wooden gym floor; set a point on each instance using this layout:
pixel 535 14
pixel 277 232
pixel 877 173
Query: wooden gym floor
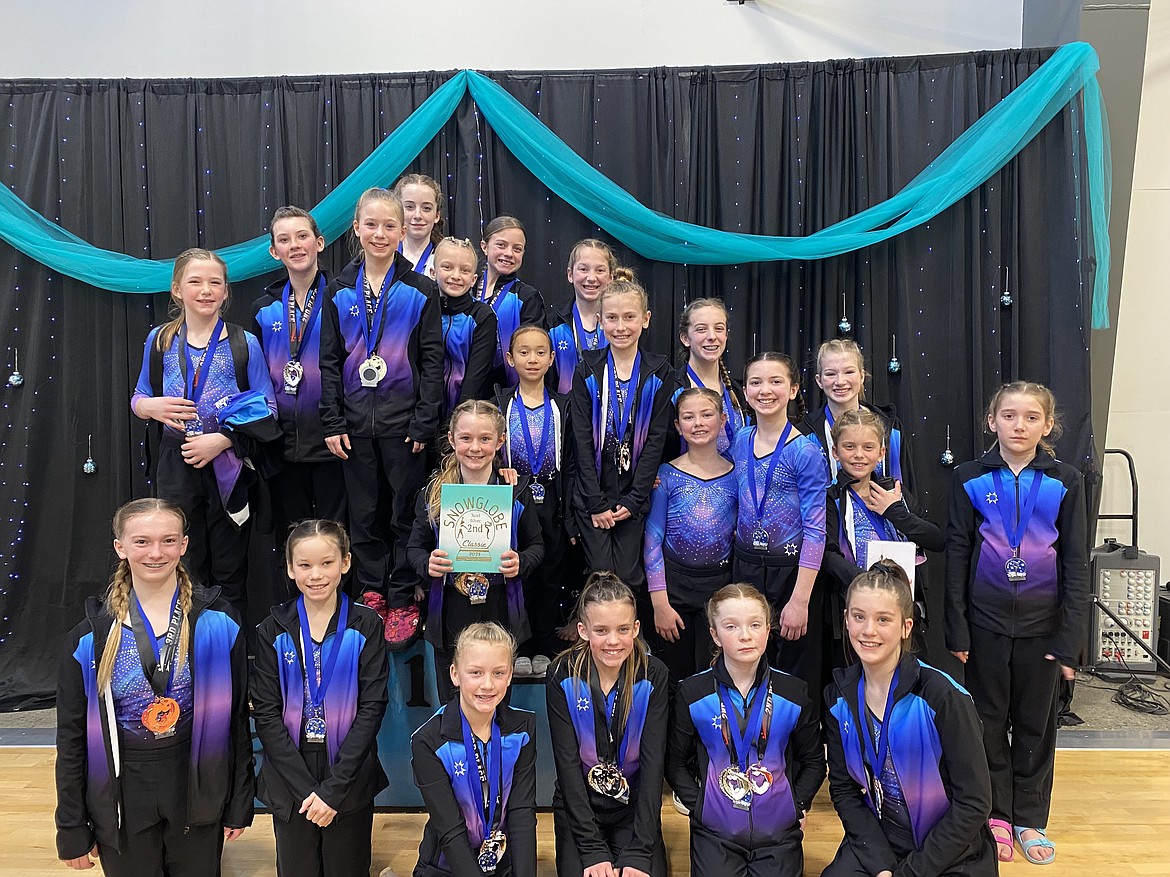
pixel 1110 815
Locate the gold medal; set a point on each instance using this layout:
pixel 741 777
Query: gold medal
pixel 734 784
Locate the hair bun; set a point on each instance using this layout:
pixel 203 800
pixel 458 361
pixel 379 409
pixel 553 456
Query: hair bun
pixel 626 275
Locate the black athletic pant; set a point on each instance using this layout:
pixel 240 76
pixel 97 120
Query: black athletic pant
pixel 801 657
pixel 217 553
pixel 714 856
pixel 618 836
pixel 1014 687
pixel 618 549
pixel 979 862
pixel 688 591
pixel 341 849
pixel 302 491
pixel 155 837
pixel 382 479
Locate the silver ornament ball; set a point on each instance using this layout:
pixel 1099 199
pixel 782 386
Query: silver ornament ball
pixel 947 458
pixel 89 467
pixel 844 326
pixel 893 366
pixel 15 379
pixel 1005 300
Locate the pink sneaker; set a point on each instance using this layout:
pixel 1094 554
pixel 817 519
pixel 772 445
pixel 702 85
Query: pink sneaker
pixel 376 602
pixel 403 627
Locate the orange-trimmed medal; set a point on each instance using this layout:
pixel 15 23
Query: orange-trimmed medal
pixel 161 716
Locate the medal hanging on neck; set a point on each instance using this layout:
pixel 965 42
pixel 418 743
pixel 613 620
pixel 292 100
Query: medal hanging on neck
pixel 728 408
pixel 373 369
pixel 875 759
pixel 162 715
pixel 1015 566
pixel 299 325
pixel 606 777
pixel 760 534
pixel 738 782
pixel 494 297
pixel 315 727
pixel 195 373
pixel 535 453
pixel 487 786
pixel 585 340
pixel 622 420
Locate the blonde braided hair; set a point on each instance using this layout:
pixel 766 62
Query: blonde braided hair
pixel 121 583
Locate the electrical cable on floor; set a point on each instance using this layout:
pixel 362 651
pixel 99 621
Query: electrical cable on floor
pixel 1135 695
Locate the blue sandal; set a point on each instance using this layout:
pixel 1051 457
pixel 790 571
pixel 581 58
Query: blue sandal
pixel 1026 846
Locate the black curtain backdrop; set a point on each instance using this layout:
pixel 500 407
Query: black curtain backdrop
pixel 151 167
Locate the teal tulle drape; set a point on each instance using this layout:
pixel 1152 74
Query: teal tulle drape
pixel 977 154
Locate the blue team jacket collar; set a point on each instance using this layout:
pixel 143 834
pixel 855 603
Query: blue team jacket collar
pixel 993 460
pixel 719 668
pixel 286 616
pixel 846 679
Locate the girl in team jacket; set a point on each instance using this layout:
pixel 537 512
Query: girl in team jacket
pixel 745 753
pixel 907 771
pixel 318 696
pixel 1016 595
pixel 608 712
pixel 577 326
pixel 460 599
pixel 469 326
pixel 474 762
pixel 381 391
pixel 154 761
pixel 287 321
pixel 513 301
pixel 621 416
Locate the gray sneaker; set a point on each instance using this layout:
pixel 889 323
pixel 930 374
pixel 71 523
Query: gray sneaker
pixel 540 665
pixel 522 667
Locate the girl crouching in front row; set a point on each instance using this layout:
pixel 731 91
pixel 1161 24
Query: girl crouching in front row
pixel 745 754
pixel 474 762
pixel 907 770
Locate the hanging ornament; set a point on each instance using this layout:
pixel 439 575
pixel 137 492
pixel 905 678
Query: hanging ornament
pixel 16 378
pixel 843 325
pixel 89 467
pixel 1005 299
pixel 947 458
pixel 893 366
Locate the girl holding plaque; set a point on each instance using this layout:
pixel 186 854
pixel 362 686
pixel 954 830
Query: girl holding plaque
pixel 381 392
pixel 287 320
pixel 620 411
pixel 864 507
pixel 1016 595
pixel 745 752
pixel 154 759
pixel 608 709
pixel 907 771
pixel 780 531
pixel 318 691
pixel 458 599
pixel 474 762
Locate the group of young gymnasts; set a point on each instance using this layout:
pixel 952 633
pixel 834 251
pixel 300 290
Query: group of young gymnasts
pixel 734 638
